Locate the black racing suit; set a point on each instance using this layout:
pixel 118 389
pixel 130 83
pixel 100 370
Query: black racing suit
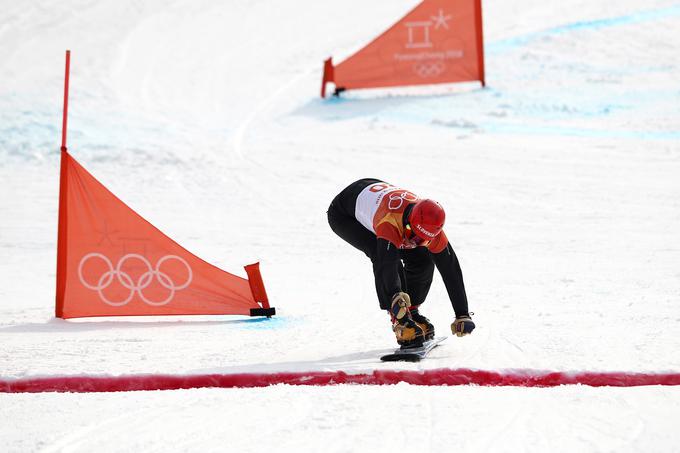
pixel 408 270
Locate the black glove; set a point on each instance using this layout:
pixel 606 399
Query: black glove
pixel 463 325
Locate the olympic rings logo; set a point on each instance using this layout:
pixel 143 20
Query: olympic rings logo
pixel 396 201
pixel 426 70
pixel 127 282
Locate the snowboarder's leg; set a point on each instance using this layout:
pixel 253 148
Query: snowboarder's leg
pixel 355 234
pixel 351 231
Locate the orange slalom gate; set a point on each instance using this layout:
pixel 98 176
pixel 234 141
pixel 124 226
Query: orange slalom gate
pixel 439 41
pixel 112 262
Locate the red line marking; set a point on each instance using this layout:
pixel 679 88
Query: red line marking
pixel 441 377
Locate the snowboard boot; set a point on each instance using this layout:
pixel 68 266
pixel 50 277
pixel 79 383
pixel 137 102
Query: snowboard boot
pixel 423 323
pixel 409 334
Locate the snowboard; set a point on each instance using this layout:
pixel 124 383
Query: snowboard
pixel 413 354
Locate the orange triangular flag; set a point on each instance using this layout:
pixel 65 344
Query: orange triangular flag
pixel 439 41
pixel 112 262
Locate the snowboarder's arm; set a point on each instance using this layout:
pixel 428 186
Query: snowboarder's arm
pixel 386 271
pixel 449 268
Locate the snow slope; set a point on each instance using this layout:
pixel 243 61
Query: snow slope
pixel 559 180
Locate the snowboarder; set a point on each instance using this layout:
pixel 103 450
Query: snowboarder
pixel 403 237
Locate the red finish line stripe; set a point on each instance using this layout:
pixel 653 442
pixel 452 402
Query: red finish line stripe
pixel 440 377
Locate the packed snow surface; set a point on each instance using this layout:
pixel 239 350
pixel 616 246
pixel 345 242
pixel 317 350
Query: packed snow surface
pixel 560 180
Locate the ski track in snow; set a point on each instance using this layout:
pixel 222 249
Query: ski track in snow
pixel 559 178
pixel 627 19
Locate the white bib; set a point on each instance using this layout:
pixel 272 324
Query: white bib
pixel 368 202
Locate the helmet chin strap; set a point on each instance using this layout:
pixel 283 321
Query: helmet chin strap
pixel 407 215
pixel 407 222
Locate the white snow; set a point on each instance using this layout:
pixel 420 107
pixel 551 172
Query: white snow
pixel 560 181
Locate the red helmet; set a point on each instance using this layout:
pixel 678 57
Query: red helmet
pixel 427 219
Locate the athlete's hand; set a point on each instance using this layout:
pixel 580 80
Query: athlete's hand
pixel 463 325
pixel 400 304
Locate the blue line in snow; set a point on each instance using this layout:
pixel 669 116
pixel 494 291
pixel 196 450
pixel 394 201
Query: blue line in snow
pixel 264 323
pixel 643 16
pixel 578 132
